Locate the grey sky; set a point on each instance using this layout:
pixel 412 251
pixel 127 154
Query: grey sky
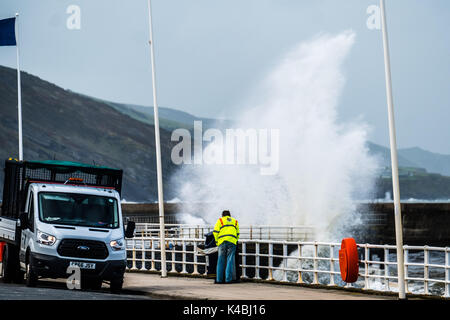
pixel 210 54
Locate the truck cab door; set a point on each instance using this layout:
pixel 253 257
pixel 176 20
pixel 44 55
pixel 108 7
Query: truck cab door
pixel 28 230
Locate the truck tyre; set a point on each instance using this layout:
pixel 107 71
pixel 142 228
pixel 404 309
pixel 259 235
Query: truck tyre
pixel 18 278
pixel 10 261
pixel 96 284
pixel 6 270
pixel 91 283
pixel 30 275
pixel 116 285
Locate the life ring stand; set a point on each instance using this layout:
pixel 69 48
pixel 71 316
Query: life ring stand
pixel 348 260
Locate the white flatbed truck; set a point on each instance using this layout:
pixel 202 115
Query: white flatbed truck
pixel 57 216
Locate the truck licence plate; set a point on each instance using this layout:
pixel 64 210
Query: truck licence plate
pixel 82 265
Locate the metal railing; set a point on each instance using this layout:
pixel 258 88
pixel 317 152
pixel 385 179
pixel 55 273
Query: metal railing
pixel 258 232
pixel 427 269
pixel 144 254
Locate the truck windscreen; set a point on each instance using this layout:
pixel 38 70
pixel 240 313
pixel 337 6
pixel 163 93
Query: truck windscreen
pixel 78 210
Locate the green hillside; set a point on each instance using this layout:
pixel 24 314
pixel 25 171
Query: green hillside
pixel 62 125
pixel 413 158
pixel 169 119
pixel 433 162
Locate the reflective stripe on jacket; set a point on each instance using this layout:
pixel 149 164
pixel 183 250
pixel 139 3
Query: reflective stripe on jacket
pixel 226 229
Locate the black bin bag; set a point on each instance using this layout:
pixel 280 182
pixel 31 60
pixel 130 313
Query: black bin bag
pixel 210 242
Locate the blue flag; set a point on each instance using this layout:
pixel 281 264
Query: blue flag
pixel 7 32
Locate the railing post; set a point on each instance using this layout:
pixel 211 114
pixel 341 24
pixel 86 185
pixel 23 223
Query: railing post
pixel 447 273
pixel 426 261
pixel 133 256
pixel 285 253
pixel 174 270
pixel 406 261
pixel 366 266
pixel 143 256
pixel 331 265
pixel 183 270
pixel 195 259
pixel 244 259
pixel 152 268
pixel 386 268
pixel 316 278
pixel 300 264
pixel 257 260
pixel 270 276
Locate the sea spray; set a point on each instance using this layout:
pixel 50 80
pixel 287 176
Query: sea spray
pixel 323 165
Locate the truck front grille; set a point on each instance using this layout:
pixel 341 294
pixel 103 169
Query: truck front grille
pixel 79 248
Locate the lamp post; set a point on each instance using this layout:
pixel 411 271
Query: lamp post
pixel 158 152
pixel 394 158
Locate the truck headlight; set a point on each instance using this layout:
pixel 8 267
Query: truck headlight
pixel 117 245
pixel 45 238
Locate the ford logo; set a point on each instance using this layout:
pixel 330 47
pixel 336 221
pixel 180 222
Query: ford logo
pixel 84 248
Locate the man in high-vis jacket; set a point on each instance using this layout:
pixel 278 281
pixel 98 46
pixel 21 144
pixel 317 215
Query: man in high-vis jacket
pixel 226 233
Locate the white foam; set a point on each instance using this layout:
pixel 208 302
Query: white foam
pixel 323 164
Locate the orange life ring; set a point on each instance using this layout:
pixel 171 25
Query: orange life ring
pixel 348 260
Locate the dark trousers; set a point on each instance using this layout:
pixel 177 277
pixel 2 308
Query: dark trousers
pixel 226 264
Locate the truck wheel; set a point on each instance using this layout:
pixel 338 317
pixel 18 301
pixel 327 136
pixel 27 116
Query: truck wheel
pixel 91 283
pixel 30 275
pixel 96 284
pixel 6 277
pixel 8 265
pixel 116 285
pixel 18 277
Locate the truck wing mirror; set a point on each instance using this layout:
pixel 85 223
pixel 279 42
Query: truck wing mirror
pixel 23 219
pixel 129 232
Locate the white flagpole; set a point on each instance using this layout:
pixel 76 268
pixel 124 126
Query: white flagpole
pixel 19 92
pixel 158 153
pixel 394 160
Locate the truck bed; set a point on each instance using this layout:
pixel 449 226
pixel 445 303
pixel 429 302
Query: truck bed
pixel 8 230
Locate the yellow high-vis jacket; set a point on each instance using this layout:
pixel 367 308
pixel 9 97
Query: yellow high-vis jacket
pixel 226 229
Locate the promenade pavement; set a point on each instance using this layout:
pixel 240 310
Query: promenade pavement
pixel 175 287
